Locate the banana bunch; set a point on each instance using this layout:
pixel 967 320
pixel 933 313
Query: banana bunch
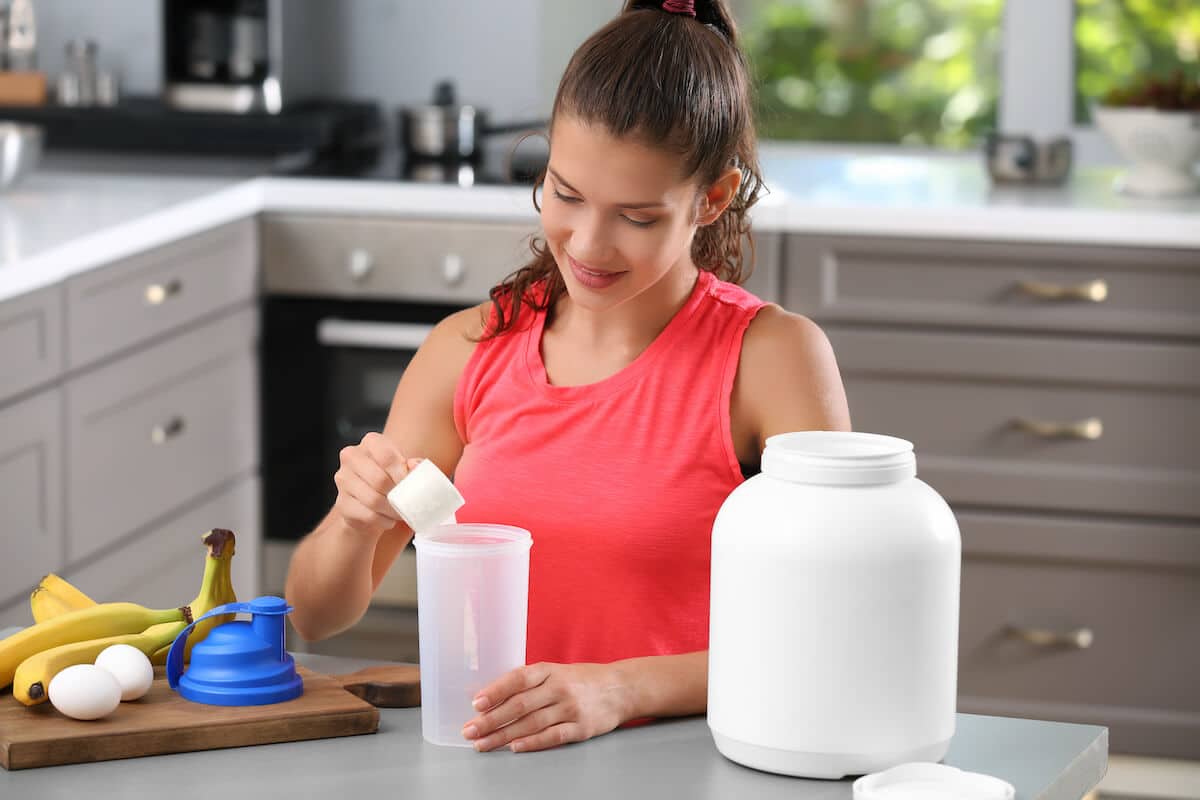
pixel 55 596
pixel 71 628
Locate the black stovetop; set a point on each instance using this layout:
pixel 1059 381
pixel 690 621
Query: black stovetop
pixel 337 139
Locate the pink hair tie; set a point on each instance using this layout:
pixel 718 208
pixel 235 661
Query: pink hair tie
pixel 680 7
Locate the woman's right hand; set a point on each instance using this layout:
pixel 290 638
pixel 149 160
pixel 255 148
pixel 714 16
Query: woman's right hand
pixel 368 471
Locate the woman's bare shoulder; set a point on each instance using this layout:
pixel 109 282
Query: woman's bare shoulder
pixel 457 334
pixel 789 376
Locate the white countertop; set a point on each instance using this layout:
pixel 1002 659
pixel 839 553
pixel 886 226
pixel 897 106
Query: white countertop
pixel 57 224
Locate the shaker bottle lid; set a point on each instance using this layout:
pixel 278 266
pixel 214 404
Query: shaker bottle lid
pixel 920 780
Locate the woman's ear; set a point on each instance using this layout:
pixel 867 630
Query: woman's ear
pixel 718 196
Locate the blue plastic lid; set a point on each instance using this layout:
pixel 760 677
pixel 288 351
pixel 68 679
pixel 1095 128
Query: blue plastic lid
pixel 239 663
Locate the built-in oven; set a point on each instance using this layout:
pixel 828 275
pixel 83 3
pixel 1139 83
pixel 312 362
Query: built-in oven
pixel 329 370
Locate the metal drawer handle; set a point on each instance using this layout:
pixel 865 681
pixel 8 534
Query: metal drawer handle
pixel 1095 291
pixel 161 434
pixel 453 269
pixel 1080 638
pixel 1090 429
pixel 361 264
pixel 159 293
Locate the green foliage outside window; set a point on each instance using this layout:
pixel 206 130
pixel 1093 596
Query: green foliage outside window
pixel 1122 42
pixel 920 72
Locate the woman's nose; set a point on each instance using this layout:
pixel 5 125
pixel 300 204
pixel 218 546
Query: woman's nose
pixel 590 243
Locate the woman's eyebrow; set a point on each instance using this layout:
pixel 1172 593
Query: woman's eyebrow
pixel 560 179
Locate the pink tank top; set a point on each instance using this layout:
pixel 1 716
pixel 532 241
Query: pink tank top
pixel 618 481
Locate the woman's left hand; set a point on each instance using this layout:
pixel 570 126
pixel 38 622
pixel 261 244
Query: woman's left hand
pixel 540 706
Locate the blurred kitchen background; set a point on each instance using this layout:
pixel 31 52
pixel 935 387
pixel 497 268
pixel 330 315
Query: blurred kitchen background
pixel 988 204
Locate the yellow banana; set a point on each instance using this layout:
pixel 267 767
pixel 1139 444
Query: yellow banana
pixel 216 588
pixel 32 681
pixel 54 596
pixel 98 621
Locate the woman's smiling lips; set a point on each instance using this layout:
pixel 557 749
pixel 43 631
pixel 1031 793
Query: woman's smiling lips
pixel 593 279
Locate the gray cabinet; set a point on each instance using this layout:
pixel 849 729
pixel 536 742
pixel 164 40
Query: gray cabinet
pixel 157 428
pixel 31 494
pixel 165 567
pixel 134 300
pixel 1051 395
pixel 999 285
pixel 146 416
pixel 31 347
pixel 765 279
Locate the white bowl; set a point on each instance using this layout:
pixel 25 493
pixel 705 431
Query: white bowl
pixel 1163 147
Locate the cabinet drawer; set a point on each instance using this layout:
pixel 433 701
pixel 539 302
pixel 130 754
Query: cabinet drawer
pixel 765 279
pixel 152 431
pixel 31 349
pixel 970 406
pixel 1138 672
pixel 993 285
pixel 163 566
pixel 144 296
pixel 389 258
pixel 31 498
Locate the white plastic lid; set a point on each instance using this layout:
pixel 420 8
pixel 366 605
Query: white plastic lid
pixel 928 781
pixel 839 458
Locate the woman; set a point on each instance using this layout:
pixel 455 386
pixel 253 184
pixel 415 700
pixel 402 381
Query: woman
pixel 609 397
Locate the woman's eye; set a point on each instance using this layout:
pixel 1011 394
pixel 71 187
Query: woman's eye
pixel 569 199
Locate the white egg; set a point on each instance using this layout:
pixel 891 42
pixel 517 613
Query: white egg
pixel 131 668
pixel 84 691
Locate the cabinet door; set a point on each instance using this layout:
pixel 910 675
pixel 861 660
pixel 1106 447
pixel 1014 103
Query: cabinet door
pixel 996 285
pixel 136 299
pixel 765 279
pixel 155 430
pixel 163 565
pixel 1034 422
pixel 31 348
pixel 1092 639
pixel 31 499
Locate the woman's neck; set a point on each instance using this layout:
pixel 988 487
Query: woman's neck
pixel 631 326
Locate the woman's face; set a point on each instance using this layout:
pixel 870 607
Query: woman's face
pixel 616 214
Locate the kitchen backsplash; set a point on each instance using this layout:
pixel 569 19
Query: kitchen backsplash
pixel 506 56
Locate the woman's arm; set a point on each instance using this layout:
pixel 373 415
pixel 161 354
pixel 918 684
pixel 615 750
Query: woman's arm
pixel 337 567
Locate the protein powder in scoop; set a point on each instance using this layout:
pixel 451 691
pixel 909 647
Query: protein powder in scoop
pixel 425 497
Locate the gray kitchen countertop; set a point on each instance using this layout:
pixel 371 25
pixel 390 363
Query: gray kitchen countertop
pixel 672 758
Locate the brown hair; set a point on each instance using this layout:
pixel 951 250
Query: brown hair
pixel 672 81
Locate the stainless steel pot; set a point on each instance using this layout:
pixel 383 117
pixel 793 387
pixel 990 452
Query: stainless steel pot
pixel 20 151
pixel 1023 159
pixel 444 130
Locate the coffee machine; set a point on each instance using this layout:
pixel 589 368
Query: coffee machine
pixel 241 56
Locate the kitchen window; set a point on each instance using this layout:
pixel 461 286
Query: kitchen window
pixel 921 72
pixel 1117 41
pixel 939 73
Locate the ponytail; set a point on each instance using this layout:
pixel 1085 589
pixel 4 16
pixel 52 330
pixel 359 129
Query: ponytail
pixel 669 73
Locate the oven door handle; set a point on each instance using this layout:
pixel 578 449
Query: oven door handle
pixel 333 332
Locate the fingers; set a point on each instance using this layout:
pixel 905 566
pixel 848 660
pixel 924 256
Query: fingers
pixel 510 683
pixel 553 736
pixel 521 715
pixel 368 471
pixel 387 455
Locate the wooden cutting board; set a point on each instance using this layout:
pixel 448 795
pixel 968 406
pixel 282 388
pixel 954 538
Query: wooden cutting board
pixel 163 722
